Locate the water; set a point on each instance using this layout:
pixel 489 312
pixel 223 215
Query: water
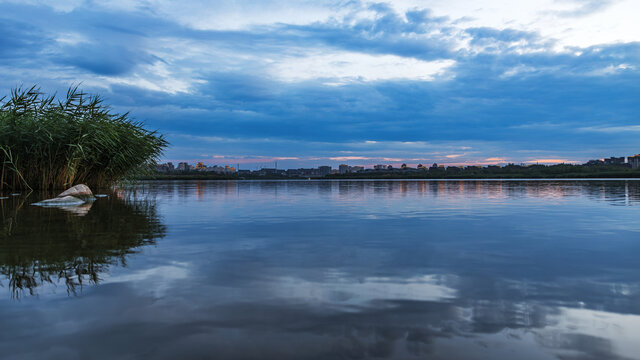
pixel 326 270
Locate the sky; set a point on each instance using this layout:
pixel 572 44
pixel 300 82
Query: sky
pixel 308 83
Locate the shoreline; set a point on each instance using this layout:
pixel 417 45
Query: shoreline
pixel 395 179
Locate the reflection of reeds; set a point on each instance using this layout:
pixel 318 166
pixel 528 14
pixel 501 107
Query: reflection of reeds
pixel 49 245
pixel 51 144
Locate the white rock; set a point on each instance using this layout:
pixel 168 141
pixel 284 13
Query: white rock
pixel 80 191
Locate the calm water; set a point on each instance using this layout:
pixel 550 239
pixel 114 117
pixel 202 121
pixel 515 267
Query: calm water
pixel 326 270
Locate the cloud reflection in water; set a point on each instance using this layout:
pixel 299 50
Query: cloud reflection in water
pixel 361 269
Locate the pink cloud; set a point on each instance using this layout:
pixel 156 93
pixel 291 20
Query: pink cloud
pixel 551 161
pixel 348 158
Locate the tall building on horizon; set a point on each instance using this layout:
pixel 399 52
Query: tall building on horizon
pixel 634 161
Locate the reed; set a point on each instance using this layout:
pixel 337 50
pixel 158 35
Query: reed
pixel 50 144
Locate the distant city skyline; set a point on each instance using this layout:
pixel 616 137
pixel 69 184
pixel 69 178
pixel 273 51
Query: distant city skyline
pixel 369 163
pixel 309 82
pixel 283 164
pixel 289 163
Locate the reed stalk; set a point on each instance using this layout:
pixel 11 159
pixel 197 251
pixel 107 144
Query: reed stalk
pixel 50 144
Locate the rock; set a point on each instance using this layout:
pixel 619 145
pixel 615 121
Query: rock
pixel 70 198
pixel 61 201
pixel 79 191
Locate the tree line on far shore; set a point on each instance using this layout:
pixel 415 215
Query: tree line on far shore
pixel 511 171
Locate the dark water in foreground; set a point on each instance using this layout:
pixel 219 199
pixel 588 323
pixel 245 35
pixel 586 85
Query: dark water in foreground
pixel 326 270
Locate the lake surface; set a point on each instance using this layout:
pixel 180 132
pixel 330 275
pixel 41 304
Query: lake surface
pixel 326 270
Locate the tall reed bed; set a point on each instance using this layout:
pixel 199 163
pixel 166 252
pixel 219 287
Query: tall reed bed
pixel 51 143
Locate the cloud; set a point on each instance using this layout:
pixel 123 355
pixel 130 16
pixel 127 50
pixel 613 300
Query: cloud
pixel 19 39
pixel 551 161
pixel 584 7
pixel 341 67
pixel 349 158
pixel 103 59
pixel 611 129
pixel 414 82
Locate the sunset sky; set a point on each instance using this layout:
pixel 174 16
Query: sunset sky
pixel 309 83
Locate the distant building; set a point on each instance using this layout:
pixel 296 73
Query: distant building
pixel 183 166
pixel 200 166
pixel 271 172
pixel 356 169
pixel 302 172
pixel 164 168
pixel 634 161
pixel 343 169
pixel 324 170
pixel 614 161
pixel 380 167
